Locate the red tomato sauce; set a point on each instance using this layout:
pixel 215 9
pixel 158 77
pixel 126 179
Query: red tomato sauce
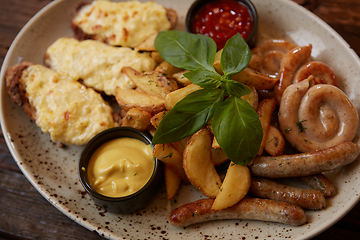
pixel 221 20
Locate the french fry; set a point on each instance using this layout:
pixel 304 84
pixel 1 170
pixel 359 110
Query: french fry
pixel 171 157
pixel 172 181
pixel 137 118
pixel 275 143
pixel 176 96
pixel 236 185
pixel 130 98
pixel 198 166
pixel 265 110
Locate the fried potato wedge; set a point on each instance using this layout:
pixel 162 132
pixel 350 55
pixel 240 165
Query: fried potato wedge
pixel 154 83
pixel 264 111
pixel 252 98
pixel 157 57
pixel 181 79
pixel 198 166
pixel 181 144
pixel 215 144
pixel 168 154
pixel 236 185
pixel 130 98
pixel 148 43
pixel 275 143
pixel 218 156
pixel 167 69
pixel 172 181
pixel 176 96
pixel 156 119
pixel 137 118
pixel 250 77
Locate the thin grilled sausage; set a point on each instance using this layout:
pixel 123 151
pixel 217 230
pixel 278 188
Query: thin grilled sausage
pixel 248 208
pixel 319 182
pixel 305 164
pixel 305 198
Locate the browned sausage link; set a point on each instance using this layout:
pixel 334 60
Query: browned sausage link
pixel 305 164
pixel 305 198
pixel 247 208
pixel 319 182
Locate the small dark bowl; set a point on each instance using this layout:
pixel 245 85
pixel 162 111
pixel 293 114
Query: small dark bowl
pixel 126 204
pixel 251 39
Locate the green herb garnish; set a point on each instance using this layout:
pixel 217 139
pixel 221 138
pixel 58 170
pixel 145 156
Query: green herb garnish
pixel 235 123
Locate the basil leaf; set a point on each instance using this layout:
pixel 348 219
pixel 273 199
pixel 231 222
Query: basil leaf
pixel 237 129
pixel 204 78
pixel 236 89
pixel 188 115
pixel 235 56
pixel 186 50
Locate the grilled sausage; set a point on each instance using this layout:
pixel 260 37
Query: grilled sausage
pixel 319 182
pixel 305 164
pixel 305 198
pixel 248 208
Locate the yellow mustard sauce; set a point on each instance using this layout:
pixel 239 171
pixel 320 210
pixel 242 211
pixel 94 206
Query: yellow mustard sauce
pixel 121 167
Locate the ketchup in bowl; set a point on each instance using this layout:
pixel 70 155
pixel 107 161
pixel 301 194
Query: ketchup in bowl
pixel 221 20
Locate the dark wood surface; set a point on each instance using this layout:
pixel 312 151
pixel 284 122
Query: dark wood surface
pixel 25 214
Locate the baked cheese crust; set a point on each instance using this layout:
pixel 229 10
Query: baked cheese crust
pixel 97 64
pixel 124 24
pixel 69 111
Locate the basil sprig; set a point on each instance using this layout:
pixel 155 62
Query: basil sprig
pixel 235 124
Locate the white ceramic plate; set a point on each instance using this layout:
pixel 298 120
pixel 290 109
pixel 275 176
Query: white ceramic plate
pixel 53 171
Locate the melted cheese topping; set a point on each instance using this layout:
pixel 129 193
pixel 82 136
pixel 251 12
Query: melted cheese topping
pixel 122 23
pixel 69 111
pixel 121 167
pixel 97 64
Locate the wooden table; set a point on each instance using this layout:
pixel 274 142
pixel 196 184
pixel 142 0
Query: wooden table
pixel 25 214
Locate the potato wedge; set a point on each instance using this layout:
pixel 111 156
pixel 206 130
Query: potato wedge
pixel 156 119
pixel 181 144
pixel 157 57
pixel 236 185
pixel 167 69
pixel 252 98
pixel 181 79
pixel 265 110
pixel 275 143
pixel 218 156
pixel 172 181
pixel 171 157
pixel 154 83
pixel 250 77
pixel 137 118
pixel 148 43
pixel 176 96
pixel 198 166
pixel 215 143
pixel 130 98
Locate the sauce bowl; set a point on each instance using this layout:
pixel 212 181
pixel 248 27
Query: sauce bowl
pixel 198 4
pixel 126 204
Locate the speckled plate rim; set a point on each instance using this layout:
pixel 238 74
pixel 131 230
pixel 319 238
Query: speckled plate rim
pixel 348 53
